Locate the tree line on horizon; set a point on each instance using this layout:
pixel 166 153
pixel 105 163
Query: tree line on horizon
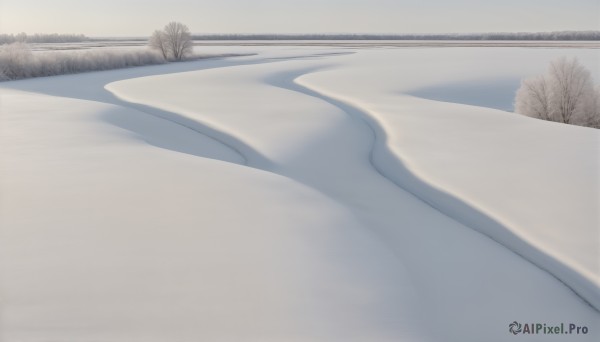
pixel 556 35
pixel 530 36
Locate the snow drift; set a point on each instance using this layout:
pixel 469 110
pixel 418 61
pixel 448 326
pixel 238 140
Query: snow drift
pixel 289 196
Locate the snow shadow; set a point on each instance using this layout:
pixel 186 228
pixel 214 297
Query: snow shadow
pixel 496 94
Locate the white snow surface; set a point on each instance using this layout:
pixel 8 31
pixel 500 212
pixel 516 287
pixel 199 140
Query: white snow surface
pixel 297 195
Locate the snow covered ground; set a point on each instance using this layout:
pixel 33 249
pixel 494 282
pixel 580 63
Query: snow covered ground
pixel 301 194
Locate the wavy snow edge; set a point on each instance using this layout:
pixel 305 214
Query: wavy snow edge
pixel 392 166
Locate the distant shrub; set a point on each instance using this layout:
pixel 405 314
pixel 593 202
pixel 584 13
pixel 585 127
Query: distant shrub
pixel 42 38
pixel 565 93
pixel 17 61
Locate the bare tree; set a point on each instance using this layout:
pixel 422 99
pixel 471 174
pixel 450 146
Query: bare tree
pixel 174 41
pixel 565 93
pixel 179 39
pixel 158 41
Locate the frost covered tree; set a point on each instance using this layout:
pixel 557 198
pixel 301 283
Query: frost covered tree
pixel 174 41
pixel 565 93
pixel 158 41
pixel 179 39
pixel 594 118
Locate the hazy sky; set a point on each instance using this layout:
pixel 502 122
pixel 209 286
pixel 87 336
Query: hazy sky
pixel 141 17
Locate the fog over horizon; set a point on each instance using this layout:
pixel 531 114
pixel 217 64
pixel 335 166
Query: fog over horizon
pixel 136 18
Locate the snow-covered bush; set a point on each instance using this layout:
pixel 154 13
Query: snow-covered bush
pixel 565 93
pixel 42 38
pixel 17 61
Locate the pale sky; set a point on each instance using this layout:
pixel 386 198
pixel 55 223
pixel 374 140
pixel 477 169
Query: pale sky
pixel 141 17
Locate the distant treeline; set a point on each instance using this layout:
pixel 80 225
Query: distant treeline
pixel 559 35
pixel 42 38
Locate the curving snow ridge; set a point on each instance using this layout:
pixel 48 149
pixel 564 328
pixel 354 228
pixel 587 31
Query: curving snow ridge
pixel 327 245
pixel 321 144
pixel 531 185
pixel 105 237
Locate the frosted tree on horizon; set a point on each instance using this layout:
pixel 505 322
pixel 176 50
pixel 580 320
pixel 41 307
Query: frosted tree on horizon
pixel 174 42
pixel 158 41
